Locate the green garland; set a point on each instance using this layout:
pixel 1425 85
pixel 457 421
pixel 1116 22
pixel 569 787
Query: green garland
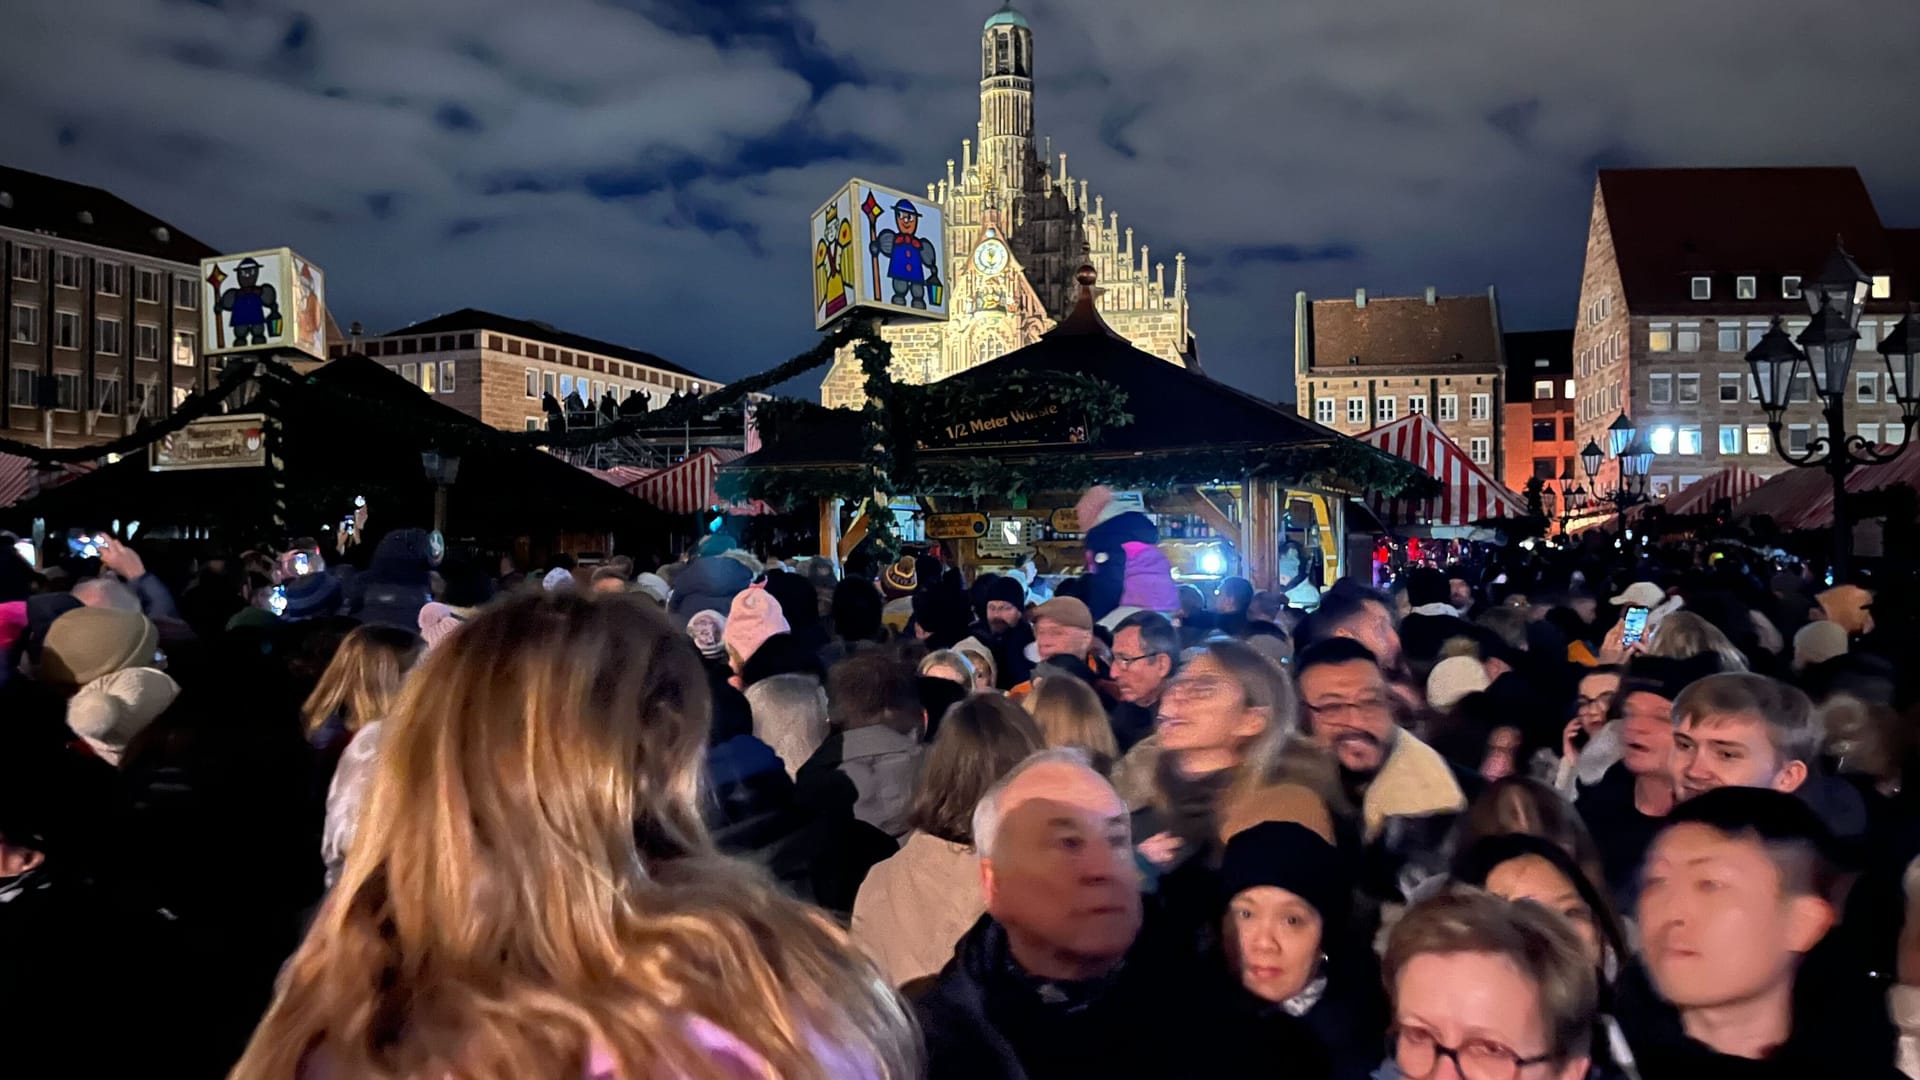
pixel 877 442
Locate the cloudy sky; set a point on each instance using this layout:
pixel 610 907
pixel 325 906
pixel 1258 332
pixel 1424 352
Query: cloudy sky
pixel 642 170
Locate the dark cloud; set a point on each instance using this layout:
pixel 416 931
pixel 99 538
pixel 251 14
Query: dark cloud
pixel 641 170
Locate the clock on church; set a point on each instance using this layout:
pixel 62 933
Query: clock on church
pixel 991 257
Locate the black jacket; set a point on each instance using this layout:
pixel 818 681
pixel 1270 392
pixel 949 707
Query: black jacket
pixel 984 1019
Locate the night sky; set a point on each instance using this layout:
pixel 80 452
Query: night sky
pixel 642 171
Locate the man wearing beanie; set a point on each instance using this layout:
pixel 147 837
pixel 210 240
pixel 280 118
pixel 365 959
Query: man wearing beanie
pixel 898 584
pixel 1004 630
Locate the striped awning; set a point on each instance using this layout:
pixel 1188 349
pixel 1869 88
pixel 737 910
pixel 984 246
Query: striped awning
pixel 1791 497
pixel 687 488
pixel 1732 483
pixel 1467 493
pixel 1816 510
pixel 18 480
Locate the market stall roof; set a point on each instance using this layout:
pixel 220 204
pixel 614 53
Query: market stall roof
pixel 1467 494
pixel 1787 497
pixel 353 425
pixel 1175 412
pixel 1732 483
pixel 1816 510
pixel 687 487
pixel 17 480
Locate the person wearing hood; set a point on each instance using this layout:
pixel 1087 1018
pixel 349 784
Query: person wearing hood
pixel 710 581
pixel 1125 567
pixel 1303 990
pixel 398 583
pixel 107 658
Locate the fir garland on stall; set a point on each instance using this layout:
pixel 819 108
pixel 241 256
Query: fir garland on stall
pixel 877 442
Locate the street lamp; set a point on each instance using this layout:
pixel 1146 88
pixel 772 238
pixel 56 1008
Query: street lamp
pixel 1826 347
pixel 443 470
pixel 1635 455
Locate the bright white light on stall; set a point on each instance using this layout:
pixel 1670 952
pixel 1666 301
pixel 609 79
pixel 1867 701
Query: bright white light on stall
pixel 1661 439
pixel 1212 562
pixel 24 549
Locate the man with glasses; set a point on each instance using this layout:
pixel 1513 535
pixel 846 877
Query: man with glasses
pixel 1484 989
pixel 1146 653
pixel 1407 794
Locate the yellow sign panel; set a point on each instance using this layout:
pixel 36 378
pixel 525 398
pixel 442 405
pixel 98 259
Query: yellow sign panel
pixel 956 526
pixel 221 442
pixel 1066 519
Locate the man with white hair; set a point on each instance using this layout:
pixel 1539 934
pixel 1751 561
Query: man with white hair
pixel 1057 979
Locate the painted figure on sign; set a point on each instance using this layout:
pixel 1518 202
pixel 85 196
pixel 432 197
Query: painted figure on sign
pixel 306 302
pixel 253 309
pixel 833 265
pixel 912 266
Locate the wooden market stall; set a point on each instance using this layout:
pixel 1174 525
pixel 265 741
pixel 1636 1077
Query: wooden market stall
pixel 994 458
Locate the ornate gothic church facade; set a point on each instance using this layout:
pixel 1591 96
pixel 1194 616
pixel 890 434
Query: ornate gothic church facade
pixel 1017 227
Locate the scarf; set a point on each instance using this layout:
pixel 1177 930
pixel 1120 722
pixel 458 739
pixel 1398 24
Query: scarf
pixel 1191 803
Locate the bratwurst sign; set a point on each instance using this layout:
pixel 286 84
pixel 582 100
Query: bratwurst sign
pixel 1041 425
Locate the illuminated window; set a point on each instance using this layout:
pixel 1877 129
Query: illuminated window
pixel 1758 441
pixel 1689 438
pixel 1660 337
pixel 1882 287
pixel 1661 439
pixel 1570 390
pixel 1745 288
pixel 1543 389
pixel 1729 438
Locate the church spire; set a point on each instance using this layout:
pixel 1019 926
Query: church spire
pixel 1006 96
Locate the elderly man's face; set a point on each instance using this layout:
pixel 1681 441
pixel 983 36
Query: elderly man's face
pixel 1054 638
pixel 1137 673
pixel 1060 876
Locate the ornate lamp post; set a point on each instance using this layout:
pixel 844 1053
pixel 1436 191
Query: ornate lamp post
pixel 1635 456
pixel 1826 348
pixel 1573 497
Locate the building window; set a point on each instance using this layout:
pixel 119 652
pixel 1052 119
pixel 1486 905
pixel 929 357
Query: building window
pixel 533 382
pixel 1896 385
pixel 106 277
pixel 1386 409
pixel 1882 287
pixel 1729 337
pixel 546 383
pixel 1690 389
pixel 1689 337
pixel 1866 386
pixel 146 341
pixel 1568 390
pixel 533 423
pixel 106 336
pixel 66 390
pixel 1869 339
pixel 66 270
pixel 1543 430
pixel 26 386
pixel 1416 404
pixel 1790 287
pixel 1869 433
pixel 1660 337
pixel 138 395
pixel 66 329
pixel 1690 439
pixel 146 285
pixel 566 390
pixel 26 263
pixel 446 376
pixel 1746 288
pixel 106 395
pixel 1323 410
pixel 1801 392
pixel 429 377
pixel 181 394
pixel 411 373
pixel 1660 440
pixel 1481 448
pixel 1543 389
pixel 1659 389
pixel 1566 428
pixel 1729 386
pixel 1758 441
pixel 1449 408
pixel 1356 410
pixel 184 348
pixel 1543 468
pixel 1755 331
pixel 1703 288
pixel 26 324
pixel 186 293
pixel 1729 438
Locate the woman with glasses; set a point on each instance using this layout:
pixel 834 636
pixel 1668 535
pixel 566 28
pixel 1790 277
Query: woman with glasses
pixel 1484 989
pixel 1588 746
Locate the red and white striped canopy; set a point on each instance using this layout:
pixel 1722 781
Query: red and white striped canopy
pixel 1732 483
pixel 17 477
pixel 687 488
pixel 1467 493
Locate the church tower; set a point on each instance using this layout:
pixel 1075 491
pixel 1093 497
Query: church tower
pixel 1006 99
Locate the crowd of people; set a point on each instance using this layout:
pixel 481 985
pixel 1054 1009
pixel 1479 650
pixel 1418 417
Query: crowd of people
pixel 1555 813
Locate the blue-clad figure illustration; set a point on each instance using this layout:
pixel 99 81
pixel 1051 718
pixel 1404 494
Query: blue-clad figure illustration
pixel 252 309
pixel 912 266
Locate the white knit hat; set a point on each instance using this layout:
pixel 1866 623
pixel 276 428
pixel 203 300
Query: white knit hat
pixel 109 711
pixel 1454 678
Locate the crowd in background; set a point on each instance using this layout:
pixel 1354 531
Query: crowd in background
pixel 1598 811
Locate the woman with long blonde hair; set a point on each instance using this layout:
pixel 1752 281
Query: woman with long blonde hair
pixel 532 893
pixel 359 686
pixel 1068 713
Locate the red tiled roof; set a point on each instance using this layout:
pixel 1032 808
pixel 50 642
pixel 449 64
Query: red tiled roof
pixel 1670 225
pixel 1404 331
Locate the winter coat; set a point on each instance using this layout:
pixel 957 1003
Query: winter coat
pixel 1125 568
pixel 985 1019
pixel 707 584
pixel 811 843
pixel 1337 1036
pixel 915 906
pixel 880 764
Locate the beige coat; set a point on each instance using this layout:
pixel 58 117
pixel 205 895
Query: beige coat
pixel 916 905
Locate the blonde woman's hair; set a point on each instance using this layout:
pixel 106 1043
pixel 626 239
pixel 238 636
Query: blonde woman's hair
pixel 531 882
pixel 363 678
pixel 1069 713
pixel 1683 634
pixel 949 660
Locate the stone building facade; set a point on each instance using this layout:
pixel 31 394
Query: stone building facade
pixel 1685 269
pixel 1367 361
pixel 103 312
pixel 1541 392
pixel 1019 195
